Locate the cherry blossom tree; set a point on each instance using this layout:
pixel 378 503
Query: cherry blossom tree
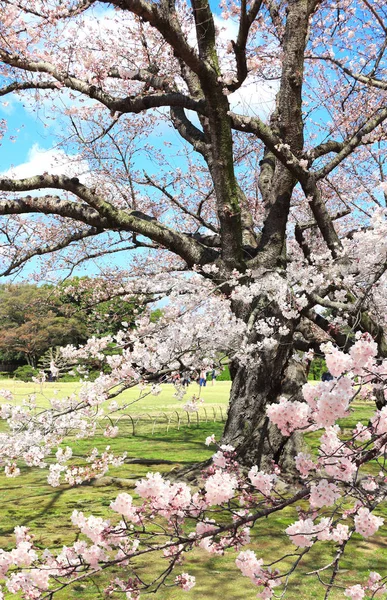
pixel 279 214
pixel 266 230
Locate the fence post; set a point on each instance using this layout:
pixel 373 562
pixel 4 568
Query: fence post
pixel 133 429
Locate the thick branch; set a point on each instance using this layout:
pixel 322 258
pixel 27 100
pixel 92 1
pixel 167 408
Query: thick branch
pixel 129 104
pixel 17 86
pixel 53 205
pixel 322 217
pixel 367 79
pixel 340 339
pixel 189 132
pixel 205 30
pixel 272 141
pixel 325 148
pixel 245 22
pixel 103 215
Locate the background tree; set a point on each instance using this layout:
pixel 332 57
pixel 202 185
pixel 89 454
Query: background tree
pixel 279 215
pixel 101 313
pixel 31 322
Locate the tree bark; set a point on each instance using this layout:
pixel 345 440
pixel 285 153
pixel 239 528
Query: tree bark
pixel 248 429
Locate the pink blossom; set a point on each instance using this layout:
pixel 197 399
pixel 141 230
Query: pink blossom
pixel 261 480
pixel 379 421
pixel 362 433
pixel 151 487
pixel 323 494
pixel 220 488
pixel 304 464
pixel 375 584
pixel 366 523
pixel 123 505
pixel 340 467
pixel 249 565
pixel 337 362
pixel 207 543
pixel 369 485
pixel 302 533
pixel 11 470
pixel 219 460
pixel 185 581
pixel 210 440
pixel 355 592
pixel 340 533
pixel 288 415
pixel 362 353
pixel 23 555
pixel 6 561
pixel 111 432
pixel 93 527
pixel 40 578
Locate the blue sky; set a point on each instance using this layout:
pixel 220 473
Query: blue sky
pixel 31 136
pixel 27 128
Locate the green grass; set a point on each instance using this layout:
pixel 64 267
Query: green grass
pixel 29 501
pixel 213 395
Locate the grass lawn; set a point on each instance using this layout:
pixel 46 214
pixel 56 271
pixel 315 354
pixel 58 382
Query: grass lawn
pixel 28 500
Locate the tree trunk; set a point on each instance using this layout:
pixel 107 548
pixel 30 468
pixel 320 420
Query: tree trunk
pixel 248 429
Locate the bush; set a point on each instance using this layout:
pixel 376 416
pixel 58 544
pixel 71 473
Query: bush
pixel 87 376
pixel 5 374
pixel 25 373
pixel 67 378
pixel 224 375
pixel 317 368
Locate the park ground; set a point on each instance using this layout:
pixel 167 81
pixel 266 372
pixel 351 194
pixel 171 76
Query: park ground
pixel 163 431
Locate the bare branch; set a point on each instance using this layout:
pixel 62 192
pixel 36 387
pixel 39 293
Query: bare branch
pixel 174 200
pixel 166 22
pixel 353 142
pixel 50 248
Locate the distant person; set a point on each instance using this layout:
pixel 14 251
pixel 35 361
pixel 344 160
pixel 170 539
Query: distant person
pixel 175 378
pixel 186 379
pixel 213 376
pixel 202 379
pixel 326 376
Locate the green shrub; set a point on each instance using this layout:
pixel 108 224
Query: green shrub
pixel 67 378
pixel 5 374
pixel 317 368
pixel 93 374
pixel 224 375
pixel 25 373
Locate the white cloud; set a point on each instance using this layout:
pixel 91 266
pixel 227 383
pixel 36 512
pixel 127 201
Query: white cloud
pixel 53 161
pixel 256 97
